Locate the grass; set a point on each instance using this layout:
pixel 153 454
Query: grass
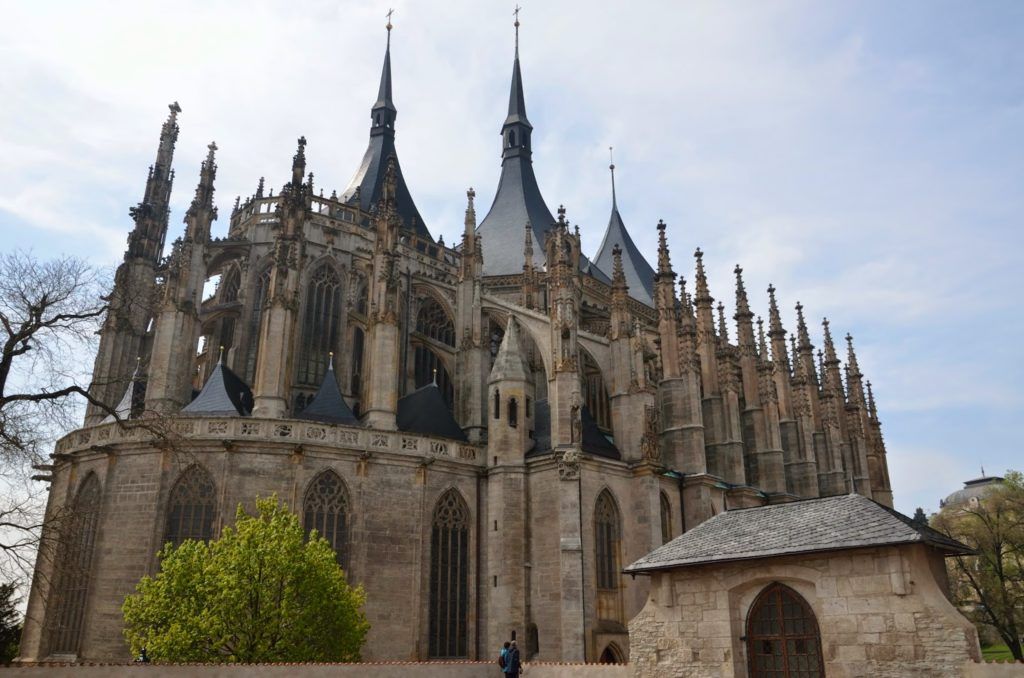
pixel 996 653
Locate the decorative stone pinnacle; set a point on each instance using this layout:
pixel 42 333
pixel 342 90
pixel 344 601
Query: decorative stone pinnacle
pixel 723 331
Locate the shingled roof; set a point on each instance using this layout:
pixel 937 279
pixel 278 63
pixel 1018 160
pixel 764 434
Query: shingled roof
pixel 424 411
pixel 813 525
pixel 328 405
pixel 224 394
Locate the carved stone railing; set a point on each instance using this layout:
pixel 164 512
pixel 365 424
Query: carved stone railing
pixel 240 430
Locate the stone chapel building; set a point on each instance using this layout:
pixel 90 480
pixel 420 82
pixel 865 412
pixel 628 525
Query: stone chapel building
pixel 487 432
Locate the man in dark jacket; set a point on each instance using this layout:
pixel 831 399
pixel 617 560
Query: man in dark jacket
pixel 512 665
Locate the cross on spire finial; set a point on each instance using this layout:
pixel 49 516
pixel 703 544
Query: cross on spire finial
pixel 515 13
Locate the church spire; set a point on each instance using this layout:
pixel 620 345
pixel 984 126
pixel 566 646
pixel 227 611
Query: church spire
pixel 383 113
pixel 202 210
pixel 147 238
pixel 517 127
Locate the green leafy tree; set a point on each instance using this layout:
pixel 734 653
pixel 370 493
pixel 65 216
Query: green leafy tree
pixel 10 622
pixel 990 585
pixel 260 593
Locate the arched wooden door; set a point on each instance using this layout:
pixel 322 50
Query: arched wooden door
pixel 783 640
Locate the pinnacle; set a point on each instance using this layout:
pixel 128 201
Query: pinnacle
pixel 664 262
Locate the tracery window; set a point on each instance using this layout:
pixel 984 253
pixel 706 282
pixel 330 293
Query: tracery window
pixel 325 509
pixel 595 394
pixel 666 518
pixel 320 324
pixel 606 540
pixel 425 362
pixel 192 507
pixel 449 577
pixel 782 636
pixel 229 285
pixel 259 298
pixel 432 321
pixel 78 540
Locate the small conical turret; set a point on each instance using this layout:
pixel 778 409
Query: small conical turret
pixel 510 363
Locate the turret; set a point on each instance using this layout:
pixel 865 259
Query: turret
pixel 176 329
pixel 510 396
pixel 131 305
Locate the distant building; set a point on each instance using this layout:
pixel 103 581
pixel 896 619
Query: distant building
pixel 486 433
pixel 972 492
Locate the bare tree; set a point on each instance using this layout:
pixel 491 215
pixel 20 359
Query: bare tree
pixel 50 312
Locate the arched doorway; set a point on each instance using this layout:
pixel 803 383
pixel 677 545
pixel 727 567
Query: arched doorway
pixel 611 655
pixel 783 640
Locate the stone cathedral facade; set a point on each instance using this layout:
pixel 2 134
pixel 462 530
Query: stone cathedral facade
pixel 487 432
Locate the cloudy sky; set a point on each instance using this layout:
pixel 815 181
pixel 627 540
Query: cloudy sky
pixel 865 157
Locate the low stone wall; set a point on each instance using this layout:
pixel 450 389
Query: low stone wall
pixel 367 670
pixel 993 670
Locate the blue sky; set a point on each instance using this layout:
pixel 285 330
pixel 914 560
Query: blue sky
pixel 865 157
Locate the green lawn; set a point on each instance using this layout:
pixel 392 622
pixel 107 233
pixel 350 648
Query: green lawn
pixel 996 652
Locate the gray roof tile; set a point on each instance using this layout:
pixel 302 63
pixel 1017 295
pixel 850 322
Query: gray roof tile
pixel 808 526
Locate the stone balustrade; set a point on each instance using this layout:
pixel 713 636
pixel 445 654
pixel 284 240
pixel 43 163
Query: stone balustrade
pixel 293 431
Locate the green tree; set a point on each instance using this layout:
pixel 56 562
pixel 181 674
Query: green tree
pixel 10 622
pixel 260 593
pixel 990 585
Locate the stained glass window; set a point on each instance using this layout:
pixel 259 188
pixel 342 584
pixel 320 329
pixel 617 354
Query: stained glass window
pixel 78 542
pixel 449 577
pixel 192 507
pixel 320 324
pixel 325 509
pixel 432 321
pixel 606 540
pixel 259 298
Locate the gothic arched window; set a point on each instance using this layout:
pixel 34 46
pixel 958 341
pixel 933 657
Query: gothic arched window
pixel 449 577
pixel 78 539
pixel 595 393
pixel 606 541
pixel 425 362
pixel 192 507
pixel 666 518
pixel 229 285
pixel 782 635
pixel 356 369
pixel 259 298
pixel 320 324
pixel 325 509
pixel 513 413
pixel 433 321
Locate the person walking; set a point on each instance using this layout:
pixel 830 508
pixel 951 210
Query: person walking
pixel 503 658
pixel 512 665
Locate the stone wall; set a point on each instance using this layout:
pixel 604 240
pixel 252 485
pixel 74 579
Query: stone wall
pixel 369 670
pixel 880 611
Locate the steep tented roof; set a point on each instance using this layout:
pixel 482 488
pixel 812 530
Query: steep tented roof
pixel 224 394
pixel 510 363
pixel 328 405
pixel 595 442
pixel 812 525
pixel 365 186
pixel 424 411
pixel 133 402
pixel 639 274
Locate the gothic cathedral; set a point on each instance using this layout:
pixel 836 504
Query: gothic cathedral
pixel 487 433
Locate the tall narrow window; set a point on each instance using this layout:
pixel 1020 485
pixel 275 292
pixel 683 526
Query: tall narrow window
pixel 595 394
pixel 78 541
pixel 497 404
pixel 449 577
pixel 782 635
pixel 356 370
pixel 259 298
pixel 513 413
pixel 320 324
pixel 192 507
pixel 325 509
pixel 666 519
pixel 606 541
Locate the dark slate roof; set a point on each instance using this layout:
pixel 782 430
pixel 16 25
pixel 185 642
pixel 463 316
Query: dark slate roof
pixel 809 526
pixel 424 411
pixel 328 405
pixel 639 274
pixel 224 394
pixel 516 201
pixel 369 178
pixel 595 442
